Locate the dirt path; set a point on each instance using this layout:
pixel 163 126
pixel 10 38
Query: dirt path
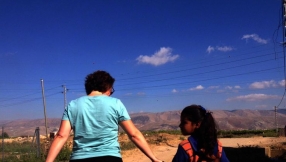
pixel 167 152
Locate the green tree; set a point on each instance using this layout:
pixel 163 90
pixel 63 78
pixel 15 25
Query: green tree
pixel 4 135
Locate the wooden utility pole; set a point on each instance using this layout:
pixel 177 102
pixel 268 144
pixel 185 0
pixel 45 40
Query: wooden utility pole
pixel 283 21
pixel 44 103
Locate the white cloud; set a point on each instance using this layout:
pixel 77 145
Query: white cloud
pixel 237 87
pixel 224 48
pixel 220 91
pixel 219 48
pixel 228 87
pixel 254 37
pixel 282 83
pixel 174 91
pixel 141 93
pixel 163 56
pixel 233 88
pixel 263 84
pixel 253 97
pixel 199 87
pixel 213 87
pixel 210 49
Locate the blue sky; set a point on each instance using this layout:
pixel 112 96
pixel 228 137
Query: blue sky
pixel 164 55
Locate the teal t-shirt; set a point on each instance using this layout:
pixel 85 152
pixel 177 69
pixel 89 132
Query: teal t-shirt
pixel 94 120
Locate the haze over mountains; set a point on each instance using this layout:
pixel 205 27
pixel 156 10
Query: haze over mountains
pixel 169 120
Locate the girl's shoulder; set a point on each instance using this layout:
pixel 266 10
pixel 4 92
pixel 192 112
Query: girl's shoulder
pixel 194 142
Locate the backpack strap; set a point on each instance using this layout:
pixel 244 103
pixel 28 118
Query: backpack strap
pixel 219 151
pixel 189 150
pixel 186 145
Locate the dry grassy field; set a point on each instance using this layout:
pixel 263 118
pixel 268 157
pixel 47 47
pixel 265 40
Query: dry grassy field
pixel 165 145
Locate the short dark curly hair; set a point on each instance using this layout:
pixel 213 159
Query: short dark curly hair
pixel 98 81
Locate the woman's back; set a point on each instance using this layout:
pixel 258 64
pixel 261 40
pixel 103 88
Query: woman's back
pixel 94 120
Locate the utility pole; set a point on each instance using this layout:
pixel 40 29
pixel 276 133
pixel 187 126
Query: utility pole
pixel 283 20
pixel 283 43
pixel 276 122
pixel 44 103
pixel 65 98
pixel 2 143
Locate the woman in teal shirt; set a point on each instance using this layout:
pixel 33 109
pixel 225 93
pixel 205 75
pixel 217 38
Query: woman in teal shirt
pixel 94 120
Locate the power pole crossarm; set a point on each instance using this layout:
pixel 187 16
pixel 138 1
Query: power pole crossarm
pixel 65 96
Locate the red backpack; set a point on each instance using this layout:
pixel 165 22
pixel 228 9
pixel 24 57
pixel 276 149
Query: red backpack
pixel 194 158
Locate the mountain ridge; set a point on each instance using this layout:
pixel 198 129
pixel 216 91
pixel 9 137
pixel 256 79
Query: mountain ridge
pixel 167 120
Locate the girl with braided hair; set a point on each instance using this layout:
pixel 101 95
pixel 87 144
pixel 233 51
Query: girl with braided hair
pixel 202 144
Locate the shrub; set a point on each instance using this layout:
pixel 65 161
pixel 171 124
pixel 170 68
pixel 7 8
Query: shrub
pixel 182 138
pixel 127 145
pixel 4 135
pixel 64 154
pixel 26 152
pixel 246 133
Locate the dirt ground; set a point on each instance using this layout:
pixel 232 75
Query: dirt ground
pixel 167 149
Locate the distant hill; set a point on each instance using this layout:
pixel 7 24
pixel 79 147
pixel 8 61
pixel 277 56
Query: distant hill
pixel 226 120
pixel 169 120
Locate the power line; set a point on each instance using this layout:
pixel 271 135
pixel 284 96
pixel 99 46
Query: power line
pixel 185 76
pixel 26 101
pixel 22 96
pixel 195 81
pixel 202 67
pixel 220 77
pixel 233 62
pixel 201 61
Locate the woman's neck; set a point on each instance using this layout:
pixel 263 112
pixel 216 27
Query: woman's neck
pixel 95 93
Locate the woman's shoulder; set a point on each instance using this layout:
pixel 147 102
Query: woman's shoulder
pixel 79 100
pixel 102 98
